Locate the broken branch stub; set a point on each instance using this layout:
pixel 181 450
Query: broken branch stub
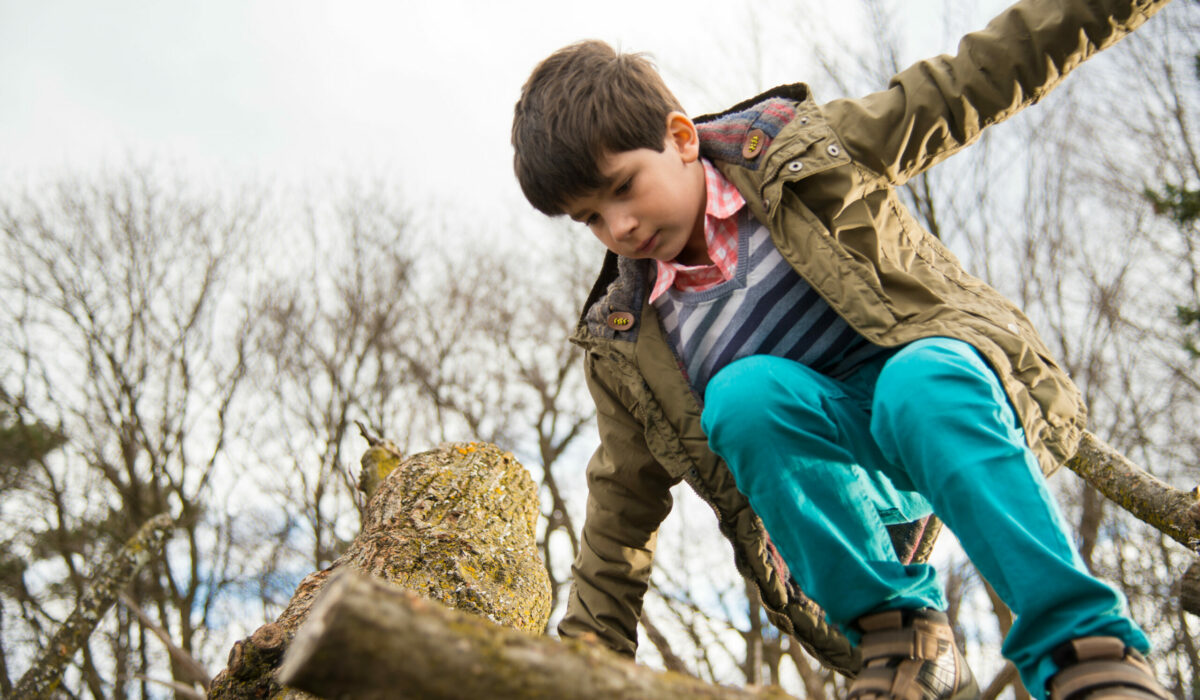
pixel 456 524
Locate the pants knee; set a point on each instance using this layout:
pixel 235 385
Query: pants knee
pixel 937 402
pixel 729 405
pixel 934 377
pixel 756 394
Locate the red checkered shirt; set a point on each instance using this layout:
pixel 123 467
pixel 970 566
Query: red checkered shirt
pixel 720 232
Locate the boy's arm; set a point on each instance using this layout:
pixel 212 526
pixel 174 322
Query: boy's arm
pixel 628 498
pixel 940 105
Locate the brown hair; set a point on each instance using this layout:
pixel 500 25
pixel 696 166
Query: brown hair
pixel 583 101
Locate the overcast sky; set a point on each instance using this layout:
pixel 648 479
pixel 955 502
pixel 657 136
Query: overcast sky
pixel 418 92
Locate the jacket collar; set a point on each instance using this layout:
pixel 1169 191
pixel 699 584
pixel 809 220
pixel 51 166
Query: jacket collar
pixel 738 136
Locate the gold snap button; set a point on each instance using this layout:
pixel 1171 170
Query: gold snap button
pixel 755 142
pixel 620 321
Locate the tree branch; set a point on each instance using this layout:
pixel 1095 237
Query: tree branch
pixel 367 639
pixel 183 659
pixel 457 524
pixel 44 675
pixel 1172 511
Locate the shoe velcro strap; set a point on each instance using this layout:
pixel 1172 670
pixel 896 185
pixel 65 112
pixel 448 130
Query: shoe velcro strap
pixel 1088 676
pixel 906 644
pixel 888 682
pixel 1093 648
pixel 872 681
pixel 910 642
pixel 886 620
pixel 895 619
pixel 905 684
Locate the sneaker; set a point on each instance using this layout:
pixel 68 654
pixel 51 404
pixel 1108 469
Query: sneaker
pixel 911 655
pixel 1103 667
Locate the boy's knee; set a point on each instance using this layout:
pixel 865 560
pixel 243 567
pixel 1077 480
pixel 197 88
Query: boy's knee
pixel 748 395
pixel 935 389
pixel 729 398
pixel 935 373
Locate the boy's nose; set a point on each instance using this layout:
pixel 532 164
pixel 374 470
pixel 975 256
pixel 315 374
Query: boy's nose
pixel 622 224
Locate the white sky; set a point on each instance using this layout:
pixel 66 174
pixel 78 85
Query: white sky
pixel 420 93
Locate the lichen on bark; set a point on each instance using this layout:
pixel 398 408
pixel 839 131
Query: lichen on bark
pixel 456 524
pixel 370 641
pixel 45 673
pixel 1172 511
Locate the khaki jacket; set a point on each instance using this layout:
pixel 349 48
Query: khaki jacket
pixel 824 185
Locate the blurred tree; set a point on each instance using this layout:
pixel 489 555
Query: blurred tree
pixel 119 329
pixel 384 320
pixel 334 316
pixel 24 442
pixel 1181 205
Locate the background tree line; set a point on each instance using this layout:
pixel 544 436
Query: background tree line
pixel 167 348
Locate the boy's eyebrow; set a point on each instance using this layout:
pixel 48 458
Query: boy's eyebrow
pixel 607 182
pixel 580 214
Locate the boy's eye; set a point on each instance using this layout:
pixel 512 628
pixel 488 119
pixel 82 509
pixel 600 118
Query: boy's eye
pixel 590 219
pixel 623 187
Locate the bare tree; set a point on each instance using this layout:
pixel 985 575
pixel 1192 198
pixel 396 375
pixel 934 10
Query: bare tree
pixel 119 328
pixel 497 362
pixel 383 319
pixel 335 320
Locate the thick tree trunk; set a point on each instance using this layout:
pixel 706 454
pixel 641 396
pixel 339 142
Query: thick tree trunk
pixel 368 640
pixel 443 527
pixel 456 525
pixel 107 582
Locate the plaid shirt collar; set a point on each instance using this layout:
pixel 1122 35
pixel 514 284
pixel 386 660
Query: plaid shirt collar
pixel 722 203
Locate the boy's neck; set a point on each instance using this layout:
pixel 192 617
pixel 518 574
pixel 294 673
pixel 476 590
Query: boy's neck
pixel 695 251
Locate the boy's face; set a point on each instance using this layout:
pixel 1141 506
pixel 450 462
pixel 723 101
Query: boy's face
pixel 652 204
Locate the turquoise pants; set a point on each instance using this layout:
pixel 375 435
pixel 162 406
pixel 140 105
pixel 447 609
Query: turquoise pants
pixel 827 464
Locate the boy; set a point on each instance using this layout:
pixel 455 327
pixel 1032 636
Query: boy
pixel 774 327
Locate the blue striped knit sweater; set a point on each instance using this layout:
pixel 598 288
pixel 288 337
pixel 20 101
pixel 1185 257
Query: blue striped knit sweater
pixel 766 309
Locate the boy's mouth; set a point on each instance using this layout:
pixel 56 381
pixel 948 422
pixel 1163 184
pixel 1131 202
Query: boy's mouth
pixel 645 247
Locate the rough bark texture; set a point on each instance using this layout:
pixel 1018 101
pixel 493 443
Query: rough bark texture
pixel 1172 511
pixel 456 525
pixel 368 640
pixel 45 674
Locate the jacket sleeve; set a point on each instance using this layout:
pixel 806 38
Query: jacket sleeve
pixel 938 106
pixel 628 498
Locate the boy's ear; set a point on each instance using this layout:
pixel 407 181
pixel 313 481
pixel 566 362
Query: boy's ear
pixel 681 132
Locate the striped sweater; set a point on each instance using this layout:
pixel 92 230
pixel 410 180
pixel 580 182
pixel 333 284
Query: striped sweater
pixel 766 309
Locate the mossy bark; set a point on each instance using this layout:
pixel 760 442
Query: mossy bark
pixel 369 641
pixel 45 674
pixel 1172 511
pixel 456 525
